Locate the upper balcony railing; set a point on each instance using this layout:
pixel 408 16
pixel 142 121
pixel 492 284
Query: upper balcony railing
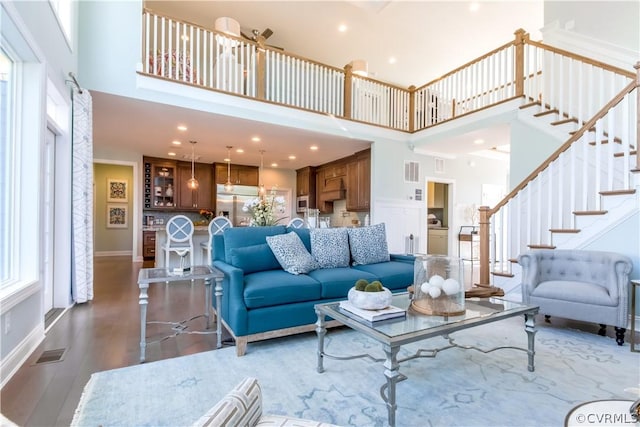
pixel 191 54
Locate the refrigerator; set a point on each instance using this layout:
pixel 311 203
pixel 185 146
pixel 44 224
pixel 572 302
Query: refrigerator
pixel 230 203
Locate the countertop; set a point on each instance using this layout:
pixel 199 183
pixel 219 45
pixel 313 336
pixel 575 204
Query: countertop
pixel 164 228
pixel 438 228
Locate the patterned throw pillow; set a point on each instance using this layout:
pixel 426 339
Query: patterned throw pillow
pixel 330 247
pixel 291 253
pixel 368 244
pixel 242 406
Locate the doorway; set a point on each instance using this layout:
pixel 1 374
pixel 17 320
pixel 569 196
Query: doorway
pixel 48 223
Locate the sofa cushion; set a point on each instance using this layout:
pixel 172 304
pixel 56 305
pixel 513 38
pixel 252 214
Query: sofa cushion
pixel 330 247
pixel 238 237
pixel 242 406
pixel 570 290
pixel 277 287
pixel 291 253
pixel 368 244
pixel 393 274
pixel 336 282
pixel 254 258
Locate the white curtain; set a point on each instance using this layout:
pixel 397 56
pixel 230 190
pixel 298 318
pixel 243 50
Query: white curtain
pixel 82 198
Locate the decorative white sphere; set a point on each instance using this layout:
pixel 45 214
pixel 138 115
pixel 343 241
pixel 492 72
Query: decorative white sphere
pixel 436 280
pixel 451 286
pixel 425 288
pixel 434 291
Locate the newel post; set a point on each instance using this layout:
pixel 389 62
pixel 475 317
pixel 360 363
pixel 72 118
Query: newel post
pixel 521 38
pixel 412 108
pixel 637 67
pixel 484 245
pixel 348 77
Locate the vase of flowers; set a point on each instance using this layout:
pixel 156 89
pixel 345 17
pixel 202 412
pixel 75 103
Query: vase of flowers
pixel 264 210
pixel 206 214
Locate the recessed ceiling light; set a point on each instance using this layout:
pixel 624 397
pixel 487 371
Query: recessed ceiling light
pixel 182 127
pixel 478 141
pixel 313 148
pixel 176 142
pixel 240 150
pixel 343 28
pixel 474 6
pixel 392 60
pixel 256 139
pixel 292 157
pixel 171 153
pixel 274 165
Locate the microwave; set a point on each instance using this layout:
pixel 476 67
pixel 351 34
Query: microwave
pixel 302 204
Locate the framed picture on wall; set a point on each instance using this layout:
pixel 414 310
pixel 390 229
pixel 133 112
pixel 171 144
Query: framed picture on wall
pixel 117 190
pixel 117 216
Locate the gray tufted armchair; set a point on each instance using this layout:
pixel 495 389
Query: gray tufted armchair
pixel 589 286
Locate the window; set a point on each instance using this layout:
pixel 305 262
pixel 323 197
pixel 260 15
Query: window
pixel 6 167
pixel 62 8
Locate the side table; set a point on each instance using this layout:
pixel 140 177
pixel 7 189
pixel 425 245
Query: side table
pixel 166 275
pixel 632 338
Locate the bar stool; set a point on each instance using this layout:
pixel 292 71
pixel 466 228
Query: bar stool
pixel 216 226
pixel 297 223
pixel 179 239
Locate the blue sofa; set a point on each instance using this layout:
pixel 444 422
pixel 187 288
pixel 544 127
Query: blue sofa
pixel 260 300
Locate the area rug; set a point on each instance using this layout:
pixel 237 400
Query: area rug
pixel 456 388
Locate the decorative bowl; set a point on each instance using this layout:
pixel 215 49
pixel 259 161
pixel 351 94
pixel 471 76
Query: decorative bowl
pixel 370 300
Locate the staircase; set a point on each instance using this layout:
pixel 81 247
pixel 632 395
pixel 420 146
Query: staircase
pixel 586 188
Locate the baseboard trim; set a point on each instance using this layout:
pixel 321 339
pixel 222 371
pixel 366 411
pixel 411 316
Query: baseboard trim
pixel 113 253
pixel 20 354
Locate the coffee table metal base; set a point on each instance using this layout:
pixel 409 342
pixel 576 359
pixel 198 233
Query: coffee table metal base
pixel 392 363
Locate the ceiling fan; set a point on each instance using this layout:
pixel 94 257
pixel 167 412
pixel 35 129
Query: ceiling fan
pixel 258 37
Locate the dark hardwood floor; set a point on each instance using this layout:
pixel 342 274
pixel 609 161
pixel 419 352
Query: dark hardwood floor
pixel 100 335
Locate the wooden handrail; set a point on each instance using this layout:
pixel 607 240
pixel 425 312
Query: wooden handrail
pixel 588 125
pixel 584 59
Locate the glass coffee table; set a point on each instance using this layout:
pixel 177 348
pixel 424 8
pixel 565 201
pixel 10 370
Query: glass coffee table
pixel 166 275
pixel 394 333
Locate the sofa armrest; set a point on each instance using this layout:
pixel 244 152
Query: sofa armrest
pixel 233 310
pixel 529 280
pixel 409 259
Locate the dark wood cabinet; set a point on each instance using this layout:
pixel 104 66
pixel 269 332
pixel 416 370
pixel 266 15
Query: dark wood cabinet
pixel 306 183
pixel 330 185
pixel 359 181
pixel 202 197
pixel 239 174
pixel 159 185
pixel 149 245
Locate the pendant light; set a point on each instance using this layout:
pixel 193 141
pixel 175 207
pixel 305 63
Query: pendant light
pixel 261 190
pixel 193 182
pixel 228 186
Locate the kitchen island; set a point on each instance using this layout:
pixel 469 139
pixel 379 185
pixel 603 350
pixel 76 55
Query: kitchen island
pixel 200 235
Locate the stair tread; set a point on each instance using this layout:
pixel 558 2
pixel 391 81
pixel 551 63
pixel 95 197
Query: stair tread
pixel 564 121
pixel 589 212
pixel 544 113
pixel 530 104
pixel 606 141
pixel 564 230
pixel 617 192
pixel 541 246
pixel 621 153
pixel 502 273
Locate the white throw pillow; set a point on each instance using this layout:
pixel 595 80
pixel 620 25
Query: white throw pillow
pixel 330 247
pixel 368 244
pixel 291 253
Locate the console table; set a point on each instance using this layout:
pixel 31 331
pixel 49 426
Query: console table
pixel 166 275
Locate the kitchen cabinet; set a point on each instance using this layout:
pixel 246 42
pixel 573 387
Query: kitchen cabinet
pixel 159 190
pixel 330 185
pixel 239 174
pixel 437 195
pixel 306 182
pixel 438 241
pixel 202 197
pixel 359 182
pixel 148 245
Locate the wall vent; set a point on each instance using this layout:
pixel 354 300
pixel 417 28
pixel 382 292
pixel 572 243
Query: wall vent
pixel 411 171
pixel 439 165
pixel 49 356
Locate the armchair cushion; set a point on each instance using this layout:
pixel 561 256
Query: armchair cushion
pixel 242 406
